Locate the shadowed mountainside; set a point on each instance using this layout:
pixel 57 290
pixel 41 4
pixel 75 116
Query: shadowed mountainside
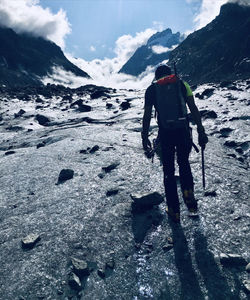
pixel 25 58
pixel 219 51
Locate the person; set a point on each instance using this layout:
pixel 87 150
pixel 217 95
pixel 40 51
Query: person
pixel 170 96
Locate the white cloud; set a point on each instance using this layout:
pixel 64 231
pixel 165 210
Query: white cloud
pixel 92 48
pixel 158 49
pixel 29 16
pixel 209 10
pixel 105 72
pixel 114 80
pixel 127 44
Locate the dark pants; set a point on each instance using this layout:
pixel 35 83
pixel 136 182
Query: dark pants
pixel 179 141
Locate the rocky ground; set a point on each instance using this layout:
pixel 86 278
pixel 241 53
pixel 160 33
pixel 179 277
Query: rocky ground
pixel 69 162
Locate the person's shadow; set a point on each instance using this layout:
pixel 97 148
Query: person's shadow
pixel 190 288
pixel 142 221
pixel 214 281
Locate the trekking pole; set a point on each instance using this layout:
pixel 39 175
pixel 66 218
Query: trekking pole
pixel 203 168
pixel 175 71
pixel 195 148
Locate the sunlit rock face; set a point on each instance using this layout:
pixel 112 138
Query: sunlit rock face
pixel 219 51
pixel 24 59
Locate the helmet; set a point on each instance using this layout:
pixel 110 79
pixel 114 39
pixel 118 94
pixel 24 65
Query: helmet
pixel 161 71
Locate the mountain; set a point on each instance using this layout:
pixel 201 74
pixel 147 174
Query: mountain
pixel 155 51
pixel 25 58
pixel 219 51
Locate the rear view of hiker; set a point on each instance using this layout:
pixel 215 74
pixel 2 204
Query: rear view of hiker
pixel 169 95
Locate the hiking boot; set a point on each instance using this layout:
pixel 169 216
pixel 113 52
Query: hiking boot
pixel 190 201
pixel 175 216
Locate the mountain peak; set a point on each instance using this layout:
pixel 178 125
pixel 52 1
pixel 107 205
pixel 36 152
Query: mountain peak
pixel 156 50
pixel 218 51
pixel 232 8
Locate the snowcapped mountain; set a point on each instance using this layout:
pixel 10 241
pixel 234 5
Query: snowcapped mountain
pixel 219 51
pixel 155 51
pixel 24 59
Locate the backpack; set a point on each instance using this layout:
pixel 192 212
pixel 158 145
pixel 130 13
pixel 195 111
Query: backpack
pixel 170 103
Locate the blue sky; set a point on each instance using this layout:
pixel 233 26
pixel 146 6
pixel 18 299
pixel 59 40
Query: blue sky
pixel 97 24
pixel 99 36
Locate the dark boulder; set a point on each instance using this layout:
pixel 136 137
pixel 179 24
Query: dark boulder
pixel 225 132
pixel 208 92
pixel 75 282
pixel 232 260
pixel 109 105
pixel 42 120
pixel 65 174
pixel 80 267
pixel 84 108
pixel 20 113
pixel 208 114
pixel 112 192
pixel 98 94
pixel 110 167
pixel 10 152
pixel 146 200
pixel 125 105
pixel 81 107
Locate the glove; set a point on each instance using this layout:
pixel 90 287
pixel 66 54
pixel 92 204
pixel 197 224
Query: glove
pixel 146 144
pixel 202 139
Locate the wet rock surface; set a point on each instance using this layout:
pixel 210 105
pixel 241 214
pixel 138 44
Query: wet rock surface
pixel 93 244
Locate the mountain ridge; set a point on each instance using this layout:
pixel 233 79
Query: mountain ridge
pixel 24 59
pixel 218 51
pixel 145 55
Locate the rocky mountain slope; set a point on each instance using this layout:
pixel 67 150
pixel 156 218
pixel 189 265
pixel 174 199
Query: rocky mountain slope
pixel 219 51
pixel 24 59
pixel 151 53
pixel 69 162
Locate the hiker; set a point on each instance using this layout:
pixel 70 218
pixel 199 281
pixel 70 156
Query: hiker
pixel 169 95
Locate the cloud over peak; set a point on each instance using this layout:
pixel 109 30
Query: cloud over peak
pixel 27 16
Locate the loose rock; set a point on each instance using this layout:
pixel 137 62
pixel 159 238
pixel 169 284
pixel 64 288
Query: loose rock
pixel 248 268
pixel 207 92
pixel 74 282
pixel 101 272
pixel 147 199
pixel 246 284
pixel 30 240
pixel 232 260
pixel 211 193
pixel 42 120
pixel 80 267
pixel 84 108
pixel 125 105
pixel 109 105
pixel 94 149
pixel 110 263
pixel 208 114
pixel 98 94
pixel 110 167
pixel 112 192
pixel 9 152
pixel 65 174
pixel 20 113
pixel 167 247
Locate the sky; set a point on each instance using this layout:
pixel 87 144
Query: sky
pixel 99 36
